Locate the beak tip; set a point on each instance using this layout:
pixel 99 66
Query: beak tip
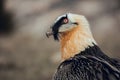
pixel 48 34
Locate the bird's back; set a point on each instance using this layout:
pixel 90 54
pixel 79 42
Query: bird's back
pixel 89 67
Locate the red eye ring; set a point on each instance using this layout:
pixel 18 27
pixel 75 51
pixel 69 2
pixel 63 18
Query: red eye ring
pixel 65 20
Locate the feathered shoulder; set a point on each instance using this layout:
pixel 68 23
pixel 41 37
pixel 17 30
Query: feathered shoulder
pixel 88 67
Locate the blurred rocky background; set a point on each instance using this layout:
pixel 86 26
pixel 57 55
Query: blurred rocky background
pixel 26 53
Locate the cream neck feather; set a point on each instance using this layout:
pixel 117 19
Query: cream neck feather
pixel 75 41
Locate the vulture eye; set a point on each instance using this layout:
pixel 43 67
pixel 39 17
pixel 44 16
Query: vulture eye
pixel 65 21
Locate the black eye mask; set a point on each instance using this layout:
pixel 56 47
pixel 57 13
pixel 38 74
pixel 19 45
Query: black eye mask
pixel 56 27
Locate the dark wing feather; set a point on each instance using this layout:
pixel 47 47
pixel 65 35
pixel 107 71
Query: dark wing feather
pixel 87 68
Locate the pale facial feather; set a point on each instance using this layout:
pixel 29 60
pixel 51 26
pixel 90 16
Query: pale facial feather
pixel 76 39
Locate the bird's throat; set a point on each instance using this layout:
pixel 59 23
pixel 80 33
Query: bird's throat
pixel 75 41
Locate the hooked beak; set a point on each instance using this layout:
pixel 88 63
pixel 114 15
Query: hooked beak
pixel 48 34
pixel 54 31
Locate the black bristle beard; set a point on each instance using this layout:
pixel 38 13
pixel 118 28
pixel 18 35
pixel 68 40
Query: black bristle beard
pixel 55 28
pixel 55 34
pixel 56 37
